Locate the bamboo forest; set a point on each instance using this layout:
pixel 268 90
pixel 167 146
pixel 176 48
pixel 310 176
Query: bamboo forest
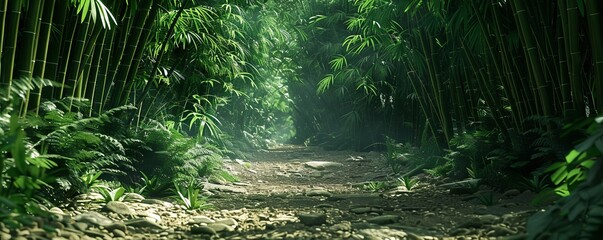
pixel 301 119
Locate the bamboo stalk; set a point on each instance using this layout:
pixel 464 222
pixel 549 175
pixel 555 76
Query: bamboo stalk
pixel 3 12
pixel 543 89
pixel 10 34
pixel 575 59
pixel 25 60
pixel 43 48
pixel 119 95
pixel 595 33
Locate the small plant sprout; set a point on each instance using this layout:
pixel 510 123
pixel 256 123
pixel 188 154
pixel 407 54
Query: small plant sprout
pixel 190 197
pixel 409 183
pixel 109 195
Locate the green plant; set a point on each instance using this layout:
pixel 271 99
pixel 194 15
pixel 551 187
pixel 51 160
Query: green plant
pixel 487 198
pixel 396 155
pixel 580 178
pixel 408 182
pixel 116 194
pixel 154 186
pixel 90 181
pixel 536 184
pixel 23 170
pixel 376 186
pixel 567 175
pixel 190 196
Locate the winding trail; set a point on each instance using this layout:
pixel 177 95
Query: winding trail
pixel 294 193
pixel 283 195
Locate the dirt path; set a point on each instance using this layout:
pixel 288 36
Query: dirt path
pixel 281 184
pixel 294 193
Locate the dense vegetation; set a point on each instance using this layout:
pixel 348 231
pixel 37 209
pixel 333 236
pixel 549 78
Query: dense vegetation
pixel 148 96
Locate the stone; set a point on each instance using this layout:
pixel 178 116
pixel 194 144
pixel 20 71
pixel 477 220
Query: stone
pixel 56 211
pixel 5 236
pixel 81 226
pixel 318 193
pixel 312 219
pixel 384 233
pixel 116 225
pixel 223 188
pixel 384 219
pixel 93 218
pixel 488 218
pixel 94 234
pixel 142 223
pixel 157 202
pixel 220 227
pixel 88 197
pixel 511 193
pixel 203 230
pixel 344 226
pixel 151 216
pixel 201 219
pixel 322 165
pixel 362 210
pixel 119 233
pixel 133 197
pixel 118 207
pixel 228 221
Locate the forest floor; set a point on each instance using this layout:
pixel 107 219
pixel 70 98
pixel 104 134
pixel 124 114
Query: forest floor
pixel 301 193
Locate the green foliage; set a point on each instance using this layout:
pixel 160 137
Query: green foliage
pixel 116 194
pixel 567 175
pixel 23 170
pixel 154 186
pixel 397 154
pixel 487 198
pixel 409 182
pixel 89 181
pixel 175 157
pixel 376 186
pixel 536 184
pixel 86 145
pixel 580 177
pixel 189 195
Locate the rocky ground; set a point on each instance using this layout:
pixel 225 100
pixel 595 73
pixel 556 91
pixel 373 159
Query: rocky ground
pixel 298 193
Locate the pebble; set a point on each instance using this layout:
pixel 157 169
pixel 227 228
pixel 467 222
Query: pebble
pixel 119 233
pixel 318 193
pixel 203 230
pixel 118 207
pixel 220 227
pixel 142 223
pixel 5 236
pixel 133 197
pixel 321 165
pixel 384 219
pixel 201 219
pixel 312 219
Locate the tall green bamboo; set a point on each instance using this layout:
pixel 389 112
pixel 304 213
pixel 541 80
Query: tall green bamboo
pixel 60 15
pixel 76 64
pixel 595 33
pixel 3 10
pixel 564 55
pixel 66 56
pixel 119 94
pixel 11 27
pixel 28 43
pixel 533 57
pixel 575 56
pixel 46 26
